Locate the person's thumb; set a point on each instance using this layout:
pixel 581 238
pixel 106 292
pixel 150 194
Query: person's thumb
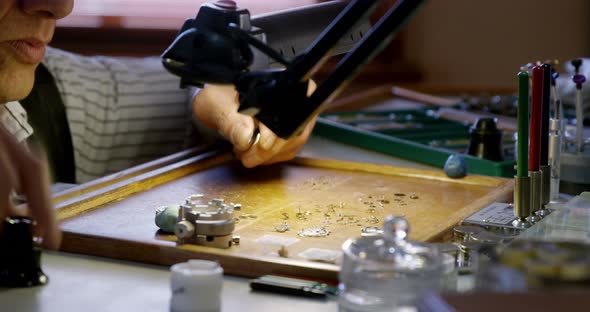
pixel 239 131
pixel 216 106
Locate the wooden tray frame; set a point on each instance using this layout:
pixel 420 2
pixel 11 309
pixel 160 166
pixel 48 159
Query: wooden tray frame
pixel 87 197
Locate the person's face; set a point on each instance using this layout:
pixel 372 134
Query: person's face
pixel 26 27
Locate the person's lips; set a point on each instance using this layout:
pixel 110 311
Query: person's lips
pixel 29 50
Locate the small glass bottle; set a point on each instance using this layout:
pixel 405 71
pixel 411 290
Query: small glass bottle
pixel 381 273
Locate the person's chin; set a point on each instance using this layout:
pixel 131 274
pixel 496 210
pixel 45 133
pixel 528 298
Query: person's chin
pixel 16 83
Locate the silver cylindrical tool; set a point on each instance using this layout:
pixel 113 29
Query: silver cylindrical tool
pixel 522 201
pixel 556 127
pixel 545 190
pixel 536 197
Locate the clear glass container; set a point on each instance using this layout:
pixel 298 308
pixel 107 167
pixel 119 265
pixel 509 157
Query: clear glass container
pixel 382 273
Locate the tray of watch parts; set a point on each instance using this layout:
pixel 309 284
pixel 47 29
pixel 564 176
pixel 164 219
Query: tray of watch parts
pixel 321 202
pixel 418 135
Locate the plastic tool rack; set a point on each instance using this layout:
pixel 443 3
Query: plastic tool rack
pixel 417 135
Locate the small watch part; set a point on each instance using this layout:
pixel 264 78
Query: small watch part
pixel 248 216
pixel 371 231
pixel 300 216
pixel 373 220
pixel 314 232
pixel 283 227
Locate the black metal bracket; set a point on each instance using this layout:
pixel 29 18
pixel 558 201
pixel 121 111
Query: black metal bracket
pixel 215 48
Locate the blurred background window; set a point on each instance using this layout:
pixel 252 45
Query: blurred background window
pixel 147 27
pixel 155 14
pixel 449 47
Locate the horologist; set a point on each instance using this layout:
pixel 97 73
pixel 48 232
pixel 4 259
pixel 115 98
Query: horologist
pixel 71 118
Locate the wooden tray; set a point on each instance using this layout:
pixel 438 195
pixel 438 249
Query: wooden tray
pixel 114 217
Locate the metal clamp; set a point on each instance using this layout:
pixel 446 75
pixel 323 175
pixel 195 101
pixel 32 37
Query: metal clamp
pixel 210 224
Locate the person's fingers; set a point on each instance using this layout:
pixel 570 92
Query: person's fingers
pixel 293 146
pixel 241 130
pixel 9 179
pixel 213 103
pixel 311 87
pixel 285 155
pixel 268 145
pixel 272 143
pixel 32 178
pixel 216 107
pixel 6 210
pixel 269 141
pixel 271 149
pixel 36 184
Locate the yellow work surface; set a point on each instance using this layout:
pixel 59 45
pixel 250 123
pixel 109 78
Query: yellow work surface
pixel 341 197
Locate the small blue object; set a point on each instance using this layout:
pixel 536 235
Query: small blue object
pixel 455 166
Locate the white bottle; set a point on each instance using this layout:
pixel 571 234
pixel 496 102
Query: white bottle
pixel 196 286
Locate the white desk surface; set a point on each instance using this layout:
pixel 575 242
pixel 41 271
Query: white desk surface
pixel 81 283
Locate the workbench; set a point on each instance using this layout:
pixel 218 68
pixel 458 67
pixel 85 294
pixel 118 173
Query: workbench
pixel 82 283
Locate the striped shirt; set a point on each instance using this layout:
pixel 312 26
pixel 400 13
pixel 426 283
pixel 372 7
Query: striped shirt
pixel 14 119
pixel 121 111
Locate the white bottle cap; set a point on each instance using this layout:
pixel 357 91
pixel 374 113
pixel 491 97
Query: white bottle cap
pixel 196 286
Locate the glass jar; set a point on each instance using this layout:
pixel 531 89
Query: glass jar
pixel 382 273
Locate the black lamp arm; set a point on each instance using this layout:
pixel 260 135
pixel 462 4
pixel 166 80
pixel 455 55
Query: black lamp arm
pixel 280 101
pixel 247 37
pixel 216 47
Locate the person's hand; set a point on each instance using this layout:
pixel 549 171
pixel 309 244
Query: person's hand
pixel 216 106
pixel 26 173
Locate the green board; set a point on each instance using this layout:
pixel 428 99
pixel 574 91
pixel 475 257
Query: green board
pixel 416 135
